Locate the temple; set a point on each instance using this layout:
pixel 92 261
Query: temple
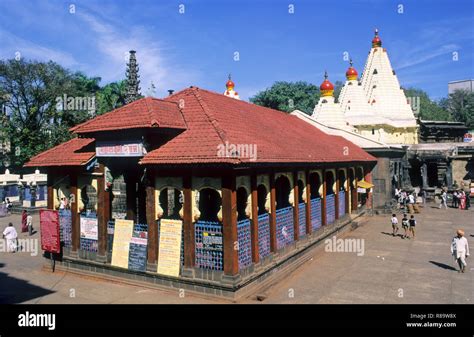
pixel 250 187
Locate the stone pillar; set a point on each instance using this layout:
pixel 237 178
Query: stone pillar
pixel 323 200
pixel 424 175
pixel 75 219
pixel 273 239
pixel 296 215
pixel 229 219
pixel 188 224
pixel 103 215
pixel 309 228
pixel 449 174
pixel 152 247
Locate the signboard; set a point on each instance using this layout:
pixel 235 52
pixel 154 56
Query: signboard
pixel 122 235
pixel 89 228
pixel 170 247
pixel 361 190
pixel 49 226
pixel 65 226
pixel 119 149
pixel 467 137
pixel 212 241
pixel 138 252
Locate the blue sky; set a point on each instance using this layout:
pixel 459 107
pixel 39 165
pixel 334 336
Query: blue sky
pixel 176 50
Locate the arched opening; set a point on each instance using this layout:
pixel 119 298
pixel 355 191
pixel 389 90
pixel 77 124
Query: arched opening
pixel 284 212
pixel 171 203
pixel 301 208
pixel 362 193
pixel 315 185
pixel 208 231
pixel 330 198
pixel 209 204
pixel 353 189
pixel 89 199
pixel 262 199
pixel 342 197
pixel 263 222
pixel 283 189
pixel 241 203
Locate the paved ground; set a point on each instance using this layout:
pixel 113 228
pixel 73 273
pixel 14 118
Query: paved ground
pixel 391 270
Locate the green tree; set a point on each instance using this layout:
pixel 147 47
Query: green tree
pixel 461 105
pixel 428 109
pixel 289 96
pixel 32 92
pixel 111 96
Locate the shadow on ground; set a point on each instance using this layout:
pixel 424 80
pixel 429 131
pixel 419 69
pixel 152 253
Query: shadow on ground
pixel 442 265
pixel 14 290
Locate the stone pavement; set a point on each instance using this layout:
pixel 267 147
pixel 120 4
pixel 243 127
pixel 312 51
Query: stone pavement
pixel 391 270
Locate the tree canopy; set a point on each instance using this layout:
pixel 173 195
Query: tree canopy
pixel 42 100
pixel 289 96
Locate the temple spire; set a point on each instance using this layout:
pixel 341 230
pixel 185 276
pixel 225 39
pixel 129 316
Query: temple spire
pixel 230 92
pixel 133 89
pixel 376 42
pixel 326 88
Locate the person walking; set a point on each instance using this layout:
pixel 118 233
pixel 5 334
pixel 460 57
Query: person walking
pixel 462 198
pixel 29 223
pixel 412 223
pixel 24 226
pixel 405 226
pixel 394 222
pixel 460 250
pixel 455 199
pixel 444 198
pixel 10 234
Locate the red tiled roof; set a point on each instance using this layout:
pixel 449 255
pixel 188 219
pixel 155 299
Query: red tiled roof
pixel 64 154
pixel 214 119
pixel 146 112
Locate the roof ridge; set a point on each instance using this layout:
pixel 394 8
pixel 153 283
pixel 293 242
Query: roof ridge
pixel 210 116
pixel 153 121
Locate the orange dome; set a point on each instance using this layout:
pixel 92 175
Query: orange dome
pixel 230 85
pixel 376 42
pixel 351 73
pixel 327 88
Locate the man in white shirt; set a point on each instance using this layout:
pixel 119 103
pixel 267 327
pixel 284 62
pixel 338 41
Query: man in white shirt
pixel 10 234
pixel 460 250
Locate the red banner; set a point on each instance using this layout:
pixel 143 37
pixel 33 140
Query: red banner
pixel 49 225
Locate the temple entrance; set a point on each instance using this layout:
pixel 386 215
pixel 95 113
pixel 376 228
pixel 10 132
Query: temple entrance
pixel 432 173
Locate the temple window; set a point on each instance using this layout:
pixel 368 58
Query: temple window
pixel 171 202
pixel 209 204
pixel 262 199
pixel 282 187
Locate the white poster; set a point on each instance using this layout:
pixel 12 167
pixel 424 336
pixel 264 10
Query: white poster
pixel 89 228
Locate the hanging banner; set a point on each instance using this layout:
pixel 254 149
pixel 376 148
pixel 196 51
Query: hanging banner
pixel 123 231
pixel 169 253
pixel 49 227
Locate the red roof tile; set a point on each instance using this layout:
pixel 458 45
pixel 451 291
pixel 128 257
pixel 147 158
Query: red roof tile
pixel 146 112
pixel 64 154
pixel 214 119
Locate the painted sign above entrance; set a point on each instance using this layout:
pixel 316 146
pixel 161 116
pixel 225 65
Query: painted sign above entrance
pixel 119 149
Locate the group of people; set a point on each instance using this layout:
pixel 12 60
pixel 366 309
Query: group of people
pixel 461 200
pixel 459 244
pixel 404 197
pixel 408 226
